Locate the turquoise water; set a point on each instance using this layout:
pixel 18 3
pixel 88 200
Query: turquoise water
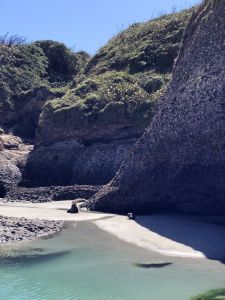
pixel 85 263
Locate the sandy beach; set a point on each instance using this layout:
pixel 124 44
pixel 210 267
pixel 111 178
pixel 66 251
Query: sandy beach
pixel 52 211
pixel 170 235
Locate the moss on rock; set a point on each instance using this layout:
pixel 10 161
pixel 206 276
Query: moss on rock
pixel 146 46
pixel 96 105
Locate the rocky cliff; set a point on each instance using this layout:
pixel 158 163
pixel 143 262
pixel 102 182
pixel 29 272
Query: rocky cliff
pixel 22 119
pixel 12 154
pixel 30 75
pixel 179 162
pixel 83 137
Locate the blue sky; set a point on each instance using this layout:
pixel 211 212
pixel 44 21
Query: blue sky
pixel 80 24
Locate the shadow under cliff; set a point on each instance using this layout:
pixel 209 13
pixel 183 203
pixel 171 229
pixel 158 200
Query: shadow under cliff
pixel 69 162
pixel 202 233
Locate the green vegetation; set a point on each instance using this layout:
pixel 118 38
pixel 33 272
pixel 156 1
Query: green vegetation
pixel 28 66
pixel 121 83
pixel 147 48
pixel 100 100
pixel 211 295
pixel 151 45
pixel 63 63
pixel 23 67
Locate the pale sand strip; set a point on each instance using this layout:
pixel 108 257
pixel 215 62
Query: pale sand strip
pixel 132 232
pixel 166 234
pixel 52 211
pixel 170 235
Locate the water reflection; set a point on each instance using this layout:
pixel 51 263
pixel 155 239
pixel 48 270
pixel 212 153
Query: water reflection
pixel 29 256
pixel 152 265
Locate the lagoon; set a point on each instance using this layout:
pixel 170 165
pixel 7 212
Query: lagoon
pixel 84 263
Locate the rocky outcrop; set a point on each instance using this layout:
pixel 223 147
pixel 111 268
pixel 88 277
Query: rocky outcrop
pixel 12 154
pixel 179 162
pixel 22 119
pixel 84 137
pixel 68 163
pixel 52 193
pixel 18 229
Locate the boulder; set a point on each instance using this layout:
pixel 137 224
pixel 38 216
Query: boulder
pixel 74 208
pixel 12 156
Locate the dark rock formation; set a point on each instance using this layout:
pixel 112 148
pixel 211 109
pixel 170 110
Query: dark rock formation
pixel 83 137
pixel 23 118
pixel 12 154
pixel 18 229
pixel 179 162
pixel 13 157
pixel 45 194
pixel 68 163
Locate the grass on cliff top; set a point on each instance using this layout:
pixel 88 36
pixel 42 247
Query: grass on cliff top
pixel 147 46
pixel 112 97
pixel 120 84
pixel 124 80
pixel 211 295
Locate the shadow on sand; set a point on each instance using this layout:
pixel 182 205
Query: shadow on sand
pixel 204 234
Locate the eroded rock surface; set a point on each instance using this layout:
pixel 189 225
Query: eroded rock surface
pixel 18 229
pixel 179 163
pixel 23 118
pixel 69 163
pixel 12 156
pixel 51 193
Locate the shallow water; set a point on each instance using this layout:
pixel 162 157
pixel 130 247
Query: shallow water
pixel 85 263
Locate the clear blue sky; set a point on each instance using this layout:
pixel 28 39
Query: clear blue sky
pixel 80 24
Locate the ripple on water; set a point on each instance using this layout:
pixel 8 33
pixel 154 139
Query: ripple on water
pixel 84 263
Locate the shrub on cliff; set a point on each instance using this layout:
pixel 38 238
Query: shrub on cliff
pixel 146 50
pixel 121 83
pixel 147 46
pixel 27 66
pixel 39 70
pixel 95 104
pixel 22 67
pixel 63 63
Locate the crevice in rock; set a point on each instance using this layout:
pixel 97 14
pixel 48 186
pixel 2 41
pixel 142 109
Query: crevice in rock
pixel 3 190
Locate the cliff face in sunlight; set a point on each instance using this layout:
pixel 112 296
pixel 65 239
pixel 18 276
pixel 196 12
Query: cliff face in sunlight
pixel 179 162
pixel 85 113
pixel 84 136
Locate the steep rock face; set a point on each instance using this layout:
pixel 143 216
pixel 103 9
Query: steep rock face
pixel 179 162
pixel 107 106
pixel 45 194
pixel 84 137
pixel 67 163
pixel 12 154
pixel 22 119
